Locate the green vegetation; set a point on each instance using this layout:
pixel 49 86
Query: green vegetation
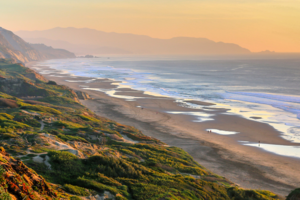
pixel 89 118
pixel 295 194
pixel 66 124
pixel 71 138
pixel 62 101
pixel 76 190
pixel 52 83
pixel 4 195
pixel 12 124
pixel 5 116
pixel 240 194
pixel 41 109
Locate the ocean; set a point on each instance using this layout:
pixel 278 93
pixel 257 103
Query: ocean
pixel 267 87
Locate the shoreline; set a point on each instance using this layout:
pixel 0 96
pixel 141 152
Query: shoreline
pixel 244 165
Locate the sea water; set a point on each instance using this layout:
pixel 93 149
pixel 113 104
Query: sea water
pixel 259 88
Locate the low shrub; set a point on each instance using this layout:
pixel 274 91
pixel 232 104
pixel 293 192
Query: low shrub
pixel 76 190
pixel 52 83
pixel 5 116
pixel 71 138
pixel 67 124
pixel 86 118
pixel 42 109
pixel 12 124
pixel 94 185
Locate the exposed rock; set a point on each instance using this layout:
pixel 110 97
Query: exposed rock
pixel 57 145
pixel 91 149
pixel 105 196
pixel 35 76
pixel 82 95
pixel 8 103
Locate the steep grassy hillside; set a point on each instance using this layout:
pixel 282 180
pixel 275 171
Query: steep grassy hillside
pixel 82 154
pixel 17 181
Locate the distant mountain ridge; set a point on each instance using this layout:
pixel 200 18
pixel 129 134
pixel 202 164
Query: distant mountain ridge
pixel 51 53
pixel 15 48
pixel 84 40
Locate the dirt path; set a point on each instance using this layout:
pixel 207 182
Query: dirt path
pixel 42 125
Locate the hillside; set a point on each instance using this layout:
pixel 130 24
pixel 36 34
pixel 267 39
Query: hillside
pixel 74 154
pixel 84 41
pixel 13 47
pixel 51 53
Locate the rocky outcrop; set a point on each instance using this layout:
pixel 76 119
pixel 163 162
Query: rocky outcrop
pixel 82 95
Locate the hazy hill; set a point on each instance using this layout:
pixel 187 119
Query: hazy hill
pixel 85 40
pixel 51 53
pixel 14 47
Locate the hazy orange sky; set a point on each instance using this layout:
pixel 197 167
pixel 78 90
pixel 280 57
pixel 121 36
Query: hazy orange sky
pixel 254 24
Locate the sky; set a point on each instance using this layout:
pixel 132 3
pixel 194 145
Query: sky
pixel 257 25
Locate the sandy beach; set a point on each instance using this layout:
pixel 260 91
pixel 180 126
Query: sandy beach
pixel 248 166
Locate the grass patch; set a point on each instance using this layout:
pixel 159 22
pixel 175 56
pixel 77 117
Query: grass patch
pixel 76 190
pixel 86 118
pixel 67 124
pixel 71 138
pixel 41 109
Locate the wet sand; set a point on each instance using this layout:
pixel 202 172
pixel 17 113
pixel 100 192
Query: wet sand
pixel 250 167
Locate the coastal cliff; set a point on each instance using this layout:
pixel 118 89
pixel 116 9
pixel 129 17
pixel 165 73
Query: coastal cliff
pixel 75 154
pixel 15 48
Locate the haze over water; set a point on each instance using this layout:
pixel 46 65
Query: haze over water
pixel 266 89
